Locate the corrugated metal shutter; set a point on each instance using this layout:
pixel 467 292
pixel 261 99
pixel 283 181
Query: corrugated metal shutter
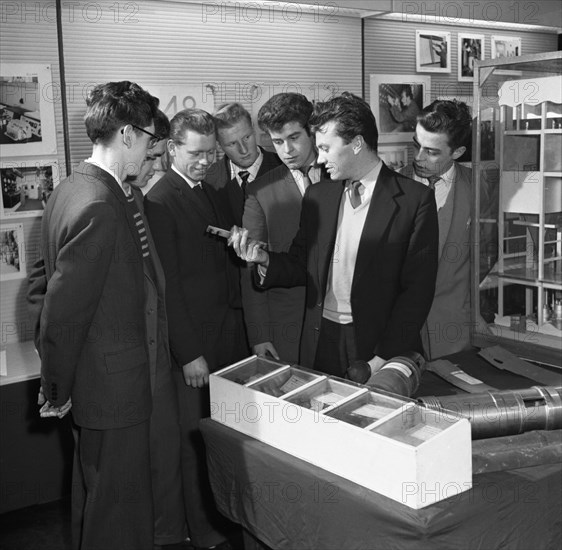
pixel 28 35
pixel 174 43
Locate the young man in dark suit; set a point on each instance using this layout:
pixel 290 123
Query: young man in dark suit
pixel 92 328
pixel 272 212
pixel 442 132
pixel 201 321
pixel 244 160
pixel 366 248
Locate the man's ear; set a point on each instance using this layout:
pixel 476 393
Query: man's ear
pixel 358 142
pixel 459 152
pixel 127 132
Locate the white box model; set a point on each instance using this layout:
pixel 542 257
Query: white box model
pixel 386 443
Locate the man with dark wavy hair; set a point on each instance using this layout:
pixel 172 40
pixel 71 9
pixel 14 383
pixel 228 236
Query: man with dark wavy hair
pixel 366 248
pixel 92 330
pixel 442 134
pixel 271 214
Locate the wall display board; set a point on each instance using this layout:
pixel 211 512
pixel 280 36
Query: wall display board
pixel 27 117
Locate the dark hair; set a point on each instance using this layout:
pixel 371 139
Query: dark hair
pixel 407 89
pixel 452 118
pixel 161 125
pixel 196 120
pixel 115 104
pixel 352 115
pixel 229 114
pixel 283 108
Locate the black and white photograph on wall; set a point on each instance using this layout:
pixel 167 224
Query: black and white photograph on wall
pixel 26 187
pixel 27 118
pixel 471 48
pixel 395 157
pixel 396 101
pixel 12 258
pixel 433 52
pixel 505 46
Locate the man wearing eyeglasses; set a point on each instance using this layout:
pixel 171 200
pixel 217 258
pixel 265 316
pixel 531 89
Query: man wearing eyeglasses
pixel 91 334
pixel 202 325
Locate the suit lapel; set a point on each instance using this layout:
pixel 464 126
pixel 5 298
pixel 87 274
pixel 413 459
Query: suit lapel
pixel 93 171
pixel 381 210
pixel 189 200
pixel 331 198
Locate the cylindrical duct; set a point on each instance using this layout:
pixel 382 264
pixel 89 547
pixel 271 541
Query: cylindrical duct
pixel 507 412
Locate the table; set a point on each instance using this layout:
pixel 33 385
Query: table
pixel 289 504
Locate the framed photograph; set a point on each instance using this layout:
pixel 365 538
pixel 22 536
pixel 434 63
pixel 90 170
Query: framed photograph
pixel 26 187
pixel 471 47
pixel 433 52
pixel 396 100
pixel 394 156
pixel 27 114
pixel 505 46
pixel 12 257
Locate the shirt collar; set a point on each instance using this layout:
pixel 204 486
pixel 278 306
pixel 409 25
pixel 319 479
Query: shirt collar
pixel 370 178
pixel 314 173
pixel 253 170
pixel 448 177
pixel 189 182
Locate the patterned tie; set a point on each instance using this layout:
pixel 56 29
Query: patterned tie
pixel 355 195
pixel 139 223
pixel 432 180
pixel 243 175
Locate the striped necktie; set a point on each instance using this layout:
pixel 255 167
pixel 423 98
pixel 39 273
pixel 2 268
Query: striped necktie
pixel 139 224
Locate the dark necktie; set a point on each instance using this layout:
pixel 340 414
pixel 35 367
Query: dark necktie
pixel 355 195
pixel 243 175
pixel 305 178
pixel 205 203
pixel 432 180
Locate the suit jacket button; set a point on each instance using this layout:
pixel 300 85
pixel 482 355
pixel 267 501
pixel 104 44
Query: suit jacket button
pixel 151 341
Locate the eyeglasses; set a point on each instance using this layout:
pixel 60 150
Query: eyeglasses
pixel 154 139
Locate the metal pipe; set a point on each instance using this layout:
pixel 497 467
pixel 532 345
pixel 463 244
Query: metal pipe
pixel 507 412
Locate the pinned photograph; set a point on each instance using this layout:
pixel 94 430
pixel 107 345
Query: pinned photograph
pixel 433 52
pixel 27 116
pixel 12 258
pixel 505 46
pixel 471 48
pixel 396 101
pixel 26 187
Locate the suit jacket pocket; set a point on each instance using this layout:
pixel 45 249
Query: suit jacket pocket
pixel 125 360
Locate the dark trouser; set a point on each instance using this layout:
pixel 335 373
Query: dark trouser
pixel 169 515
pixel 336 348
pixel 111 489
pixel 206 526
